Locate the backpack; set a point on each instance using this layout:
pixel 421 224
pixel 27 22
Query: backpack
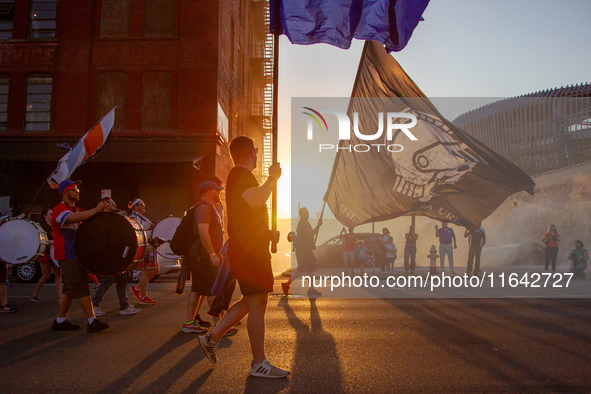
pixel 183 237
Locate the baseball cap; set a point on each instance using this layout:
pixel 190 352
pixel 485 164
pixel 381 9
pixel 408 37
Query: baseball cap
pixel 209 185
pixel 67 185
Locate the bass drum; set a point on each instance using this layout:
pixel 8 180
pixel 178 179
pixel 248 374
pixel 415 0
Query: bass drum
pixel 52 256
pixel 109 243
pixel 21 241
pixel 165 229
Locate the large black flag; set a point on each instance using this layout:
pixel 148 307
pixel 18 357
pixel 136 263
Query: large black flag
pixel 444 174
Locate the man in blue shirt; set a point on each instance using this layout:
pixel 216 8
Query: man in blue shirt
pixel 446 235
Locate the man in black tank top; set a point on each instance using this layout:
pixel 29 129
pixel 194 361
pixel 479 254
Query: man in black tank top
pixel 248 253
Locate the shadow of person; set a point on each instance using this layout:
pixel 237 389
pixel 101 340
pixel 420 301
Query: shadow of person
pixel 39 344
pixel 184 365
pixel 316 365
pixel 200 381
pixel 125 381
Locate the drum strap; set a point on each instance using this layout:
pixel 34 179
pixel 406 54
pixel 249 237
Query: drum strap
pixel 217 216
pixel 144 221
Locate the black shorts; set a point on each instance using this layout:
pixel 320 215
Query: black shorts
pixel 306 259
pixel 74 279
pixel 3 272
pixel 252 266
pixel 203 274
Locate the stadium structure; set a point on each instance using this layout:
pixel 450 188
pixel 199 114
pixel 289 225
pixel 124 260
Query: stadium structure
pixel 540 132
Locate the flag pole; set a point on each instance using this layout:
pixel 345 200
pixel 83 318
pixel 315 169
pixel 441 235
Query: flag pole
pixel 321 216
pixel 274 135
pixel 36 195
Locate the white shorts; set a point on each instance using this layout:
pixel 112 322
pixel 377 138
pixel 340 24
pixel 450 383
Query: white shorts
pixel 349 257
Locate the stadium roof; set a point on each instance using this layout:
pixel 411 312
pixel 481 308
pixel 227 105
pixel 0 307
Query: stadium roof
pixel 579 90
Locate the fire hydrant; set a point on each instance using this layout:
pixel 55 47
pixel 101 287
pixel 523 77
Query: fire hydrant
pixel 433 256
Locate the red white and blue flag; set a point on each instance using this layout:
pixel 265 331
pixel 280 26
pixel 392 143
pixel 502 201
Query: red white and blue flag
pixel 85 149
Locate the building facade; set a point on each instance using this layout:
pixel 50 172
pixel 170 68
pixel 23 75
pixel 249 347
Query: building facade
pixel 185 76
pixel 540 132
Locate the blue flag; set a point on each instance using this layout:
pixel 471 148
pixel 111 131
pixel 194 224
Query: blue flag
pixel 337 22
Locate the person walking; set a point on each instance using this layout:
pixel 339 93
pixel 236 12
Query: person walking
pixel 204 257
pixel 5 307
pixel 64 223
pixel 46 261
pixel 149 265
pixel 249 256
pixel 304 251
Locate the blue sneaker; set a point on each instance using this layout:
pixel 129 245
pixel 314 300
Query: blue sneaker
pixel 8 309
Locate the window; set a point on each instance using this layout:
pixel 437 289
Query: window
pixel 112 89
pixel 3 101
pixel 38 109
pixel 43 14
pixel 156 98
pixel 335 241
pixel 6 17
pixel 115 18
pixel 159 19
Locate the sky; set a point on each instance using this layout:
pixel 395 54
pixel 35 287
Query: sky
pixel 485 49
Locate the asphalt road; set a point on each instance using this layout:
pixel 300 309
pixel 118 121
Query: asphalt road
pixel 330 345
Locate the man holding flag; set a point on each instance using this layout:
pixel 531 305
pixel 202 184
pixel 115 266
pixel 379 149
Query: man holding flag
pixel 64 223
pixel 248 251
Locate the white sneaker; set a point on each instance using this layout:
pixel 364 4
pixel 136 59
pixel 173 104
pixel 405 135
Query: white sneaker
pixel 130 310
pixel 97 311
pixel 193 328
pixel 265 369
pixel 209 347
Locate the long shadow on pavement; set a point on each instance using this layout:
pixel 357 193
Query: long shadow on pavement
pixel 443 333
pixel 188 362
pixel 200 381
pixel 315 351
pixel 564 308
pixel 19 349
pixel 491 308
pixel 167 378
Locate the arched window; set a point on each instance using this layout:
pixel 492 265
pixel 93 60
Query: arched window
pixel 115 18
pixel 38 104
pixel 156 100
pixel 112 89
pixel 159 19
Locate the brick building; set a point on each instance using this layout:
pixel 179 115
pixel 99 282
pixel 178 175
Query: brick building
pixel 186 77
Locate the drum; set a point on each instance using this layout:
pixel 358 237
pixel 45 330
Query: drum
pixel 21 241
pixel 109 243
pixel 165 229
pixel 52 256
